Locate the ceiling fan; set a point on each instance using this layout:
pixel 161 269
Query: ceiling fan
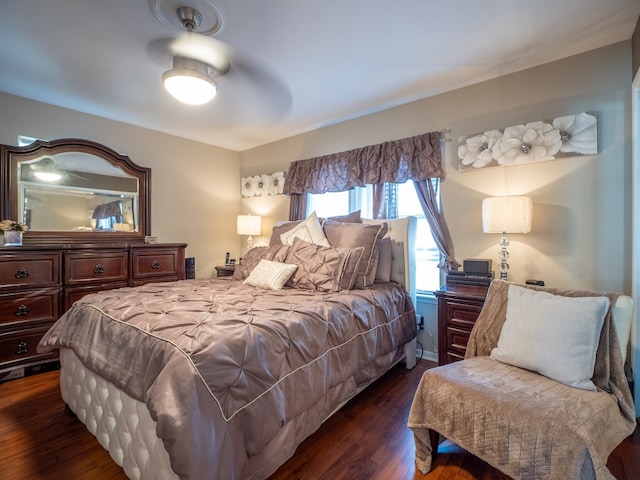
pixel 47 170
pixel 202 64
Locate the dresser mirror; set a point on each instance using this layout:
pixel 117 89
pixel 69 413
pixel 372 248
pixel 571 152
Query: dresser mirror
pixel 72 190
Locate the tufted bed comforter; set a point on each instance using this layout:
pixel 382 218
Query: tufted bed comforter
pixel 230 371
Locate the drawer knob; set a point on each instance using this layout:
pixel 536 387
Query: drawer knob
pixel 98 269
pixel 22 348
pixel 22 310
pixel 22 273
pixel 155 264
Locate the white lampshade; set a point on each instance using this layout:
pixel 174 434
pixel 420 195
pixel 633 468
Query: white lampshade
pixel 511 214
pixel 249 224
pixel 190 81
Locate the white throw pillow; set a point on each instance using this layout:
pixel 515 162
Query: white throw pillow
pixel 554 335
pixel 270 275
pixel 309 231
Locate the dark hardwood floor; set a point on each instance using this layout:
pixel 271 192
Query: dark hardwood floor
pixel 366 439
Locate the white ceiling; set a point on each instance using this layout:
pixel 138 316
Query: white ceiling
pixel 333 59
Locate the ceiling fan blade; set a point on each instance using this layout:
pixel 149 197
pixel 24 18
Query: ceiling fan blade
pixel 257 87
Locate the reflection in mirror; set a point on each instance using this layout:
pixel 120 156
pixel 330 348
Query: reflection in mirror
pixel 76 191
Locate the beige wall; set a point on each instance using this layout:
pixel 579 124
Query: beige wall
pixel 194 187
pixel 581 234
pixel 635 48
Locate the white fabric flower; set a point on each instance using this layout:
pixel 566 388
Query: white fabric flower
pixel 578 133
pixel 265 184
pixel 477 150
pixel 250 186
pixel 277 183
pixel 533 142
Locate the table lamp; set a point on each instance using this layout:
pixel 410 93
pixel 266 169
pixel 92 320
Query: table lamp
pixel 249 225
pixel 510 214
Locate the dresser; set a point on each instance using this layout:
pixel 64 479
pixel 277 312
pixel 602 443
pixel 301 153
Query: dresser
pixel 39 283
pixel 458 310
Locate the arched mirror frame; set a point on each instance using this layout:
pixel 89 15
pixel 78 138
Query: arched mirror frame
pixel 11 156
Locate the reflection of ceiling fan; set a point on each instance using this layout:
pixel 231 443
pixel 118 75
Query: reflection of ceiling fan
pixel 201 64
pixel 46 170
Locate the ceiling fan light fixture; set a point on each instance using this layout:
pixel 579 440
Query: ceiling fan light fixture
pixel 190 81
pixel 46 170
pixel 48 176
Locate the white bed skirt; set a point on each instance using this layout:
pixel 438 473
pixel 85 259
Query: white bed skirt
pixel 122 424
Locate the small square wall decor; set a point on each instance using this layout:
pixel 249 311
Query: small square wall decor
pixel 539 141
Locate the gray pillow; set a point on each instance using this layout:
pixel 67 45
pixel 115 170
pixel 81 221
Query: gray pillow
pixel 352 235
pixel 325 269
pixel 276 253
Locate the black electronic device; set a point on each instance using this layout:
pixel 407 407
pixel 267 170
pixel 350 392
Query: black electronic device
pixel 539 283
pixel 190 268
pixel 456 277
pixel 476 265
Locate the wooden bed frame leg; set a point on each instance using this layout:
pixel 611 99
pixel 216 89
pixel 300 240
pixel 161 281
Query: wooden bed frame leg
pixel 410 352
pixel 435 441
pixel 70 412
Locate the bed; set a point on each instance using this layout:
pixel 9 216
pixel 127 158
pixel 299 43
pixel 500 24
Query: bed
pixel 218 378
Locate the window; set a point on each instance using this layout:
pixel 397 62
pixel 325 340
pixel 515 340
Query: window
pixel 360 198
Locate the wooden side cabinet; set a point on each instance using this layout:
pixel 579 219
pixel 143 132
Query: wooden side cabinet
pixel 458 310
pixel 225 270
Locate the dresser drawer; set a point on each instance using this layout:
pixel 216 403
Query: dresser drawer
pixel 37 306
pixel 457 340
pixel 29 270
pixel 19 347
pixel 157 263
pixel 462 316
pixel 73 294
pixel 88 268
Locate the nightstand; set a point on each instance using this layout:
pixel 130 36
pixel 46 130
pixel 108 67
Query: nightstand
pixel 458 310
pixel 225 270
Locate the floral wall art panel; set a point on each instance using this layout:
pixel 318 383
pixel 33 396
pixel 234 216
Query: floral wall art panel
pixel 540 141
pixel 262 185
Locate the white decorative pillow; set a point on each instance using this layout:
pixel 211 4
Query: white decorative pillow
pixel 270 275
pixel 554 335
pixel 309 231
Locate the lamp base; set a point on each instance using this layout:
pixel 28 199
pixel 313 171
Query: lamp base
pixel 503 255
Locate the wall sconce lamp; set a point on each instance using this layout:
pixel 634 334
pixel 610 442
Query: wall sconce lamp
pixel 511 214
pixel 249 225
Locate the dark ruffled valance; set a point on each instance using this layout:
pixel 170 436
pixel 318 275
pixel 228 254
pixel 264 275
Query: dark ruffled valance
pixel 414 158
pixel 106 210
